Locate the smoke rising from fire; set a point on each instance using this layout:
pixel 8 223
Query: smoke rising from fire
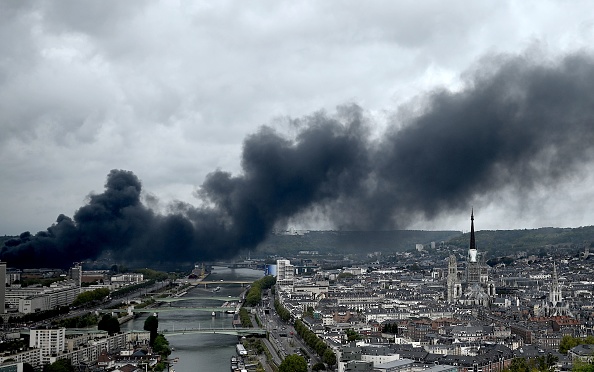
pixel 516 123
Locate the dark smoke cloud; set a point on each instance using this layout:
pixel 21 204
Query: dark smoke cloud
pixel 517 123
pixel 523 125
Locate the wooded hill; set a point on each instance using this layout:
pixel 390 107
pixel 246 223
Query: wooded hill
pixel 504 242
pixel 348 242
pixel 495 242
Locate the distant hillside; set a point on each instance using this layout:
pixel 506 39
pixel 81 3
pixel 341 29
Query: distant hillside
pixel 345 242
pixel 503 242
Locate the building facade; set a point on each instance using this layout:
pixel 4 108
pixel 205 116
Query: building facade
pixel 51 342
pixel 285 273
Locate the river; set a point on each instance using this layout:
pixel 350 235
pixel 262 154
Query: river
pixel 202 352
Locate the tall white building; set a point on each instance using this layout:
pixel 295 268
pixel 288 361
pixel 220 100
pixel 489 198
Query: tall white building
pixel 51 342
pixel 76 274
pixel 285 273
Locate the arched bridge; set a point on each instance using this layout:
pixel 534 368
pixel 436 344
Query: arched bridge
pixel 242 282
pixel 170 309
pixel 188 298
pixel 225 331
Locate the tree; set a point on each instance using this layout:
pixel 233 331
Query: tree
pixel 547 363
pixel 579 366
pixel 541 364
pixel 28 368
pixel 352 335
pixel 320 346
pixel 110 324
pixel 518 365
pixel 161 346
pixel 318 367
pixel 567 342
pixel 61 365
pixel 151 324
pixel 329 357
pixel 293 363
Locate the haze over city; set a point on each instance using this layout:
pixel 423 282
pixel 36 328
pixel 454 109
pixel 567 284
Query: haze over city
pixel 238 119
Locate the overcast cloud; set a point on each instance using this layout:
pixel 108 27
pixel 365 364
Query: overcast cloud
pixel 170 90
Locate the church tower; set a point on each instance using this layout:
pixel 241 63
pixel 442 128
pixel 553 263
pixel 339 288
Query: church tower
pixel 454 286
pixel 476 288
pixel 555 293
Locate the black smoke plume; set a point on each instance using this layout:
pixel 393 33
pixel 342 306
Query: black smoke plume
pixel 517 123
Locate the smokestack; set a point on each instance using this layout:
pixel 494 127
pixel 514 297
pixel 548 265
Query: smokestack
pixel 516 124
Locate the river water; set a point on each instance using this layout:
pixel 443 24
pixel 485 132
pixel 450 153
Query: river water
pixel 201 352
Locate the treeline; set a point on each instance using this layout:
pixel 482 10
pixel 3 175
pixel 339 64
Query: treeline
pixel 96 295
pixel 255 293
pixel 82 321
pixel 39 316
pixel 316 343
pixel 283 313
pixel 151 274
pixel 244 316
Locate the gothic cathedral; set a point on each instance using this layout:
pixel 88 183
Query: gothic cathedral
pixel 472 286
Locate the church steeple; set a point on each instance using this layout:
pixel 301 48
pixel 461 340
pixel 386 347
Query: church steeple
pixel 472 252
pixel 472 241
pixel 555 292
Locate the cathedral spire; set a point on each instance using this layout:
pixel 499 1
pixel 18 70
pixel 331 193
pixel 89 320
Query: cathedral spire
pixel 472 241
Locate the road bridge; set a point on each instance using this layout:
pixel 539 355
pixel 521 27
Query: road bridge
pixel 242 282
pixel 226 331
pixel 222 330
pixel 219 309
pixel 186 298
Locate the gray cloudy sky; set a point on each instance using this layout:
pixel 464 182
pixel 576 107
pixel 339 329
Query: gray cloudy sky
pixel 169 90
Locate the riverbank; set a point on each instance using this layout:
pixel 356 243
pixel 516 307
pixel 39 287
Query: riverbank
pixel 125 318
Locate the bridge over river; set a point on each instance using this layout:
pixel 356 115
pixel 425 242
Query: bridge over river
pixel 187 298
pixel 240 332
pixel 173 309
pixel 226 331
pixel 206 283
pixel 231 305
